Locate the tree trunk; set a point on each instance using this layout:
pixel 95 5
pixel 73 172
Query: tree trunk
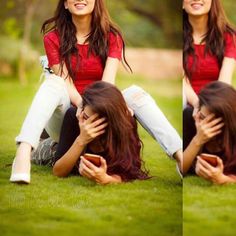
pixel 30 9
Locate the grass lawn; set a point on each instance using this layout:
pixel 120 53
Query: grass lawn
pixel 208 209
pixel 76 206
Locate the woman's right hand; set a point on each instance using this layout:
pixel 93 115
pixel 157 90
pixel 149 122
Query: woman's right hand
pixel 91 128
pixel 207 128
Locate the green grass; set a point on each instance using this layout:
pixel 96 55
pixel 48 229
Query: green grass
pixel 74 205
pixel 208 209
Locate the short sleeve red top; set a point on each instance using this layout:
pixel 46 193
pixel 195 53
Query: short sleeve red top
pixel 90 67
pixel 207 68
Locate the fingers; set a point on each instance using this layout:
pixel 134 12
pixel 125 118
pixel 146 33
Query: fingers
pixel 220 163
pixel 217 127
pixel 215 124
pixel 100 128
pixel 88 164
pixel 204 163
pixel 208 118
pixel 202 171
pixel 92 118
pixel 212 132
pixel 97 125
pixel 85 171
pixel 210 127
pixel 103 162
pixel 97 122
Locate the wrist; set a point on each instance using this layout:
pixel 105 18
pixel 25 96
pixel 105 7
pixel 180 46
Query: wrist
pixel 224 179
pixel 107 179
pixel 197 142
pixel 80 142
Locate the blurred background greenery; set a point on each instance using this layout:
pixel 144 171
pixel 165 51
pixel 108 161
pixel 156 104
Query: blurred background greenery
pixel 148 24
pixel 144 24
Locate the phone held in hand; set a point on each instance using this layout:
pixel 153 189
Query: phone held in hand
pixel 95 159
pixel 211 159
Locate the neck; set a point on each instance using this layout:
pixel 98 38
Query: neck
pixel 83 26
pixel 200 27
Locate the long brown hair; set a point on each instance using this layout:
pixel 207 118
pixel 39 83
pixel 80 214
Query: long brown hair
pixel 101 26
pixel 218 25
pixel 121 141
pixel 219 98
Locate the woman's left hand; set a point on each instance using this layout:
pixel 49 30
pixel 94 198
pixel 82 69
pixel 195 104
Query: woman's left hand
pixel 92 172
pixel 208 172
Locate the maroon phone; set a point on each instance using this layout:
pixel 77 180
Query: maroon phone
pixel 95 159
pixel 211 159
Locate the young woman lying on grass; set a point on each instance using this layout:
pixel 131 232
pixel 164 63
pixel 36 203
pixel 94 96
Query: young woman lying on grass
pixel 214 133
pixel 105 127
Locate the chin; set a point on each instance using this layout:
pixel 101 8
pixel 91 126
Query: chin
pixel 81 13
pixel 195 13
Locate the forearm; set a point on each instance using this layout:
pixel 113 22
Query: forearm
pixel 191 96
pixel 226 71
pixel 74 95
pixel 109 73
pixel 190 154
pixel 65 164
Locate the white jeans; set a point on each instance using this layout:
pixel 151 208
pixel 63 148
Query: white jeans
pixel 52 101
pixel 152 119
pixel 47 111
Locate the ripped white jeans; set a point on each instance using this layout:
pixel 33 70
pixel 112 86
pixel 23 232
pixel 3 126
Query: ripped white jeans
pixel 47 111
pixel 52 101
pixel 152 119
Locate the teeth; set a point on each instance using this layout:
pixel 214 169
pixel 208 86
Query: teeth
pixel 196 5
pixel 79 5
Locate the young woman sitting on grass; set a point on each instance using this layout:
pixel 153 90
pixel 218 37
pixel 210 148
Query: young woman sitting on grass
pixel 105 127
pixel 209 50
pixel 214 133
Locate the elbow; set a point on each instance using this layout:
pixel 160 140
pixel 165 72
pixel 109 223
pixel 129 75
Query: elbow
pixel 184 171
pixel 58 173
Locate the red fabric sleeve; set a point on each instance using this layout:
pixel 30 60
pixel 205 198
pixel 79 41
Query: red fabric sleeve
pixel 51 45
pixel 115 46
pixel 230 46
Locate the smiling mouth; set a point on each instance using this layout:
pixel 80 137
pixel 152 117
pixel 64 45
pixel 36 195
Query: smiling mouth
pixel 80 5
pixel 196 6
